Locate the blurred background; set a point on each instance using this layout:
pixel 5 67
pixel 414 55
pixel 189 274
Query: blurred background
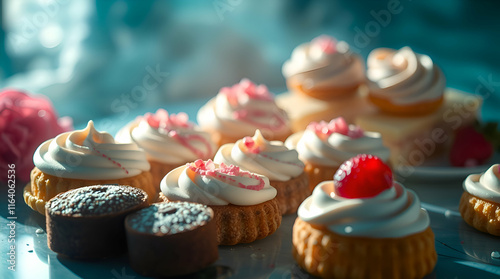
pixel 115 59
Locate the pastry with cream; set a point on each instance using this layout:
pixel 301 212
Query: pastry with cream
pixel 273 160
pixel 244 203
pixel 480 202
pixel 324 146
pixel 363 225
pixel 325 80
pixel 169 140
pixel 239 110
pixel 83 158
pixel 415 114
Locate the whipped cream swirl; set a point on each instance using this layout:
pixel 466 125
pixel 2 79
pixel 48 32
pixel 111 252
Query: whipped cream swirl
pixel 213 184
pixel 395 212
pixel 255 154
pixel 243 108
pixel 89 154
pixel 324 63
pixel 331 144
pixel 169 139
pixel 404 77
pixel 485 186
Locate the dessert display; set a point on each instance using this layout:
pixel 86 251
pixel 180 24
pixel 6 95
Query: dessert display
pixel 273 160
pixel 323 147
pixel 325 79
pixel 169 141
pixel 170 191
pixel 171 239
pixel 480 201
pixel 363 224
pixel 244 203
pixel 416 116
pixel 25 122
pixel 239 110
pixel 87 223
pixel 82 158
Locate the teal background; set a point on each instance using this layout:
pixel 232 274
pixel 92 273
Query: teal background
pixel 103 49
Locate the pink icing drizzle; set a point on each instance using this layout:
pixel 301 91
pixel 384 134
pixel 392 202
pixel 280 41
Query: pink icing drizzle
pixel 337 125
pixel 225 173
pixel 246 115
pixel 326 43
pixel 161 120
pixel 246 89
pixel 185 141
pixel 112 161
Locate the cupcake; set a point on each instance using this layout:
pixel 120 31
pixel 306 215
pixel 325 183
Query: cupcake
pixel 168 140
pixel 415 114
pixel 239 110
pixel 83 158
pixel 273 160
pixel 323 147
pixel 404 83
pixel 363 225
pixel 324 69
pixel 171 239
pixel 480 202
pixel 244 203
pixel 87 223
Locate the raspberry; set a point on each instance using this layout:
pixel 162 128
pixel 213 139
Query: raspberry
pixel 363 176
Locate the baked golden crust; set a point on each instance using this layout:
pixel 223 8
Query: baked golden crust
pixel 419 109
pixel 43 187
pixel 292 193
pixel 245 224
pixel 481 214
pixel 322 93
pixel 329 255
pixel 159 170
pixel 319 173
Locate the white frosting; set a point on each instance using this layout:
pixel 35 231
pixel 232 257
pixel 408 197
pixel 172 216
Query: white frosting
pixel 89 154
pixel 485 186
pixel 184 184
pixel 185 145
pixel 243 115
pixel 336 148
pixel 395 212
pixel 318 69
pixel 404 77
pixel 269 158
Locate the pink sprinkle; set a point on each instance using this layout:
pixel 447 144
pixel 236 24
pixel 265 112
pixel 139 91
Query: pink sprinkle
pixel 337 125
pixel 326 43
pixel 248 88
pixel 162 120
pixel 208 168
pixel 248 142
pixel 250 145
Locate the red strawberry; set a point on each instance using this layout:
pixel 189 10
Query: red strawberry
pixel 470 148
pixel 363 176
